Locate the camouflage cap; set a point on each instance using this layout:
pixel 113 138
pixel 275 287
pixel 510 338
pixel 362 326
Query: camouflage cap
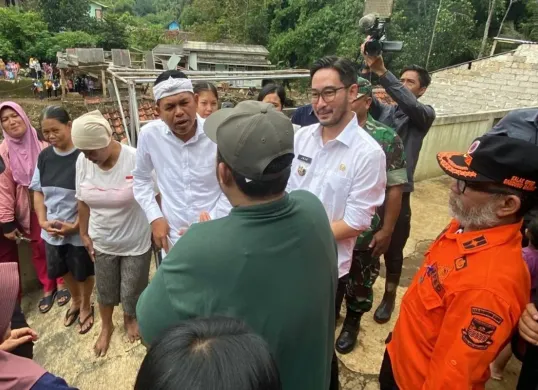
pixel 365 87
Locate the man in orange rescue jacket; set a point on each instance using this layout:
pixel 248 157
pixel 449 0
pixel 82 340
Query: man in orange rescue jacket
pixel 466 299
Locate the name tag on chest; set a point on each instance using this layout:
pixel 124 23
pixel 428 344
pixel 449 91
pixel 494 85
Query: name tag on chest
pixel 305 159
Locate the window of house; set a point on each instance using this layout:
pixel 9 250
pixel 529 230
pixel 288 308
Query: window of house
pixel 98 14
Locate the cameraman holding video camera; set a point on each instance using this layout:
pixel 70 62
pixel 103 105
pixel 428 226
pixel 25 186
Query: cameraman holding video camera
pixel 411 120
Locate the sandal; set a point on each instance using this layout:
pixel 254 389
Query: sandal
pixel 63 294
pixel 71 316
pixel 48 302
pixel 82 323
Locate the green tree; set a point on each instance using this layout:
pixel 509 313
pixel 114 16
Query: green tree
pixel 305 31
pixel 121 6
pixel 143 7
pixel 47 48
pixel 530 25
pixel 241 21
pixel 19 33
pixel 111 32
pixel 65 14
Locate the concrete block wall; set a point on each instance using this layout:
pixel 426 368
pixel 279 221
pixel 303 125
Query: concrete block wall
pixel 453 133
pixel 502 82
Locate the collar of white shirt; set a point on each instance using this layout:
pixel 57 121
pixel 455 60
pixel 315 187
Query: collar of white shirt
pixel 199 130
pixel 345 137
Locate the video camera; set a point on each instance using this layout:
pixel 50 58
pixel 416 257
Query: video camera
pixel 375 26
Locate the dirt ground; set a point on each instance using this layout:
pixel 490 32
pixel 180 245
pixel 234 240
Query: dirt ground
pixel 65 353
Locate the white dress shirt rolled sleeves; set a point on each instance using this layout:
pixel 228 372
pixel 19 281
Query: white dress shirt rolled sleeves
pixel 348 175
pixel 186 176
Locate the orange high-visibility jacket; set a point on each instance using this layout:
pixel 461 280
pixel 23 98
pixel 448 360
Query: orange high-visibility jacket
pixel 460 310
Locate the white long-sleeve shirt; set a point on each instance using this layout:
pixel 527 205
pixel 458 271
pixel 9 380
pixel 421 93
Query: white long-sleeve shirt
pixel 348 175
pixel 186 177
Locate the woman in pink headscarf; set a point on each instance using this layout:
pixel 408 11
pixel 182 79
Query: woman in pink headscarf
pixel 19 152
pixel 18 373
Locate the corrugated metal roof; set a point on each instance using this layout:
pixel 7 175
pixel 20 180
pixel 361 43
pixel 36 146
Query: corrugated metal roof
pixel 99 4
pixel 225 47
pixel 168 49
pixel 211 47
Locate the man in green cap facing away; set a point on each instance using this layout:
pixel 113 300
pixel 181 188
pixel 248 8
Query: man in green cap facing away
pixel 374 242
pixel 271 263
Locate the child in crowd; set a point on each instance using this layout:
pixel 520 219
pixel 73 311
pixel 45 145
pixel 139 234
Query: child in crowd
pixel 530 255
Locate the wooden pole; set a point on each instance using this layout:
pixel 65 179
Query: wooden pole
pixel 63 82
pixel 103 82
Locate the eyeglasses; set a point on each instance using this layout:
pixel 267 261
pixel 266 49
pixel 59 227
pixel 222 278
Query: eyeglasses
pixel 327 94
pixel 480 187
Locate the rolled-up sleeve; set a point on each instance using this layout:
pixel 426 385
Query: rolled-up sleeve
pixel 367 191
pixel 144 184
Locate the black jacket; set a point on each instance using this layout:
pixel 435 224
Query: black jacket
pixel 410 118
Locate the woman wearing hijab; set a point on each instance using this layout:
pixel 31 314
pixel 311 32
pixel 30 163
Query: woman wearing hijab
pixel 19 152
pixel 113 226
pixel 18 373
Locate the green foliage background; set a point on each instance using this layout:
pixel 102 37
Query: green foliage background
pixel 296 32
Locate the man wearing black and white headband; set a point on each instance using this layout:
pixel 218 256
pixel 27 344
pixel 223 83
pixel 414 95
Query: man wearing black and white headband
pixel 183 158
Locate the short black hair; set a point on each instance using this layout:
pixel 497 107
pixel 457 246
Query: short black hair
pixel 256 189
pixel 345 68
pixel 423 75
pixel 175 74
pixel 206 87
pixel 209 353
pixel 55 112
pixel 533 231
pixel 273 88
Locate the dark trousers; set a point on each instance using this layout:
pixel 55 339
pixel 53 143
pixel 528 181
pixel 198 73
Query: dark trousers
pixel 335 384
pixel 17 322
pixel 394 255
pixel 528 378
pixel 386 376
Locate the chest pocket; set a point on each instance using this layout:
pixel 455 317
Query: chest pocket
pixel 430 289
pixel 336 189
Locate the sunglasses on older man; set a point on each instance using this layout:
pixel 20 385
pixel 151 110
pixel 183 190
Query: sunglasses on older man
pixel 480 187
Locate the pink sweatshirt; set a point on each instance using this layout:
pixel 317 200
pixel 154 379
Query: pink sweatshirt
pixel 14 199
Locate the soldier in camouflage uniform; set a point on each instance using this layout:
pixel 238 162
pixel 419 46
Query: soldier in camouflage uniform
pixel 372 243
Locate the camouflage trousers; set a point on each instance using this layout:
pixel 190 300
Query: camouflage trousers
pixel 359 291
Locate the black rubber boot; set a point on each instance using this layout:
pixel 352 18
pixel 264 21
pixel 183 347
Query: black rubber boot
pixel 350 331
pixel 384 312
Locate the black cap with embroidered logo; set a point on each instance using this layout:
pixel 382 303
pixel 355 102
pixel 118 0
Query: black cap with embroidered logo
pixel 495 159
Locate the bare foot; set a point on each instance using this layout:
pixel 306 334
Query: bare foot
pixel 101 345
pixel 131 326
pixel 495 372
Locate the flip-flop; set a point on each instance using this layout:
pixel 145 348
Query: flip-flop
pixel 63 294
pixel 73 315
pixel 48 302
pixel 82 323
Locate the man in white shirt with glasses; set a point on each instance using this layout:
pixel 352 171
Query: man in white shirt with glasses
pixel 339 162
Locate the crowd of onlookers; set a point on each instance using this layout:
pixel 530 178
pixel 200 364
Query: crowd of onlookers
pixel 265 225
pixel 9 70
